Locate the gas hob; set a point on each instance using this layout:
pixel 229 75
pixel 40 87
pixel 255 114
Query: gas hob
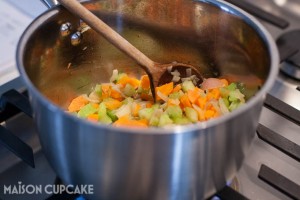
pixel 271 170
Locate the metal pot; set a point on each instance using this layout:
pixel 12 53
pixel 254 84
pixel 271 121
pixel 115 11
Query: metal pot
pixel 184 162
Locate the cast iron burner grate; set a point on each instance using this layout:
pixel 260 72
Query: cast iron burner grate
pixel 289 49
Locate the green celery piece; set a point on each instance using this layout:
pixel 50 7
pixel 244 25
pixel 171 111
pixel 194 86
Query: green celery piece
pixel 129 90
pixel 146 113
pixel 236 95
pixel 191 114
pixel 87 110
pixel 174 112
pixel 187 85
pixel 128 100
pixel 234 105
pixel 227 103
pixel 224 92
pixel 103 117
pixel 181 120
pixel 98 90
pixel 164 120
pixel 231 86
pixel 176 95
pixel 112 116
pixel 154 120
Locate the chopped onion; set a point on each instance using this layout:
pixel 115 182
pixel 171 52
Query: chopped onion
pixel 117 88
pixel 162 96
pixel 223 106
pixel 175 79
pixel 170 68
pixel 185 79
pixel 199 110
pixel 175 73
pixel 93 100
pixel 114 75
pixel 211 83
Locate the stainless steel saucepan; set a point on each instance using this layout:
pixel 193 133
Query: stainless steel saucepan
pixel 182 162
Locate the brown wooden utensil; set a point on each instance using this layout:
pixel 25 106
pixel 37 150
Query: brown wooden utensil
pixel 156 71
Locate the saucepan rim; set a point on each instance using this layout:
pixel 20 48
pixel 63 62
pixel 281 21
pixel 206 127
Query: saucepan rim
pixel 200 126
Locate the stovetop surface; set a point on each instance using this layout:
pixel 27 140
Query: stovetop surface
pixel 13 169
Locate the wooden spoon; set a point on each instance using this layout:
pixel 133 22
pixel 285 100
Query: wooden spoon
pixel 154 70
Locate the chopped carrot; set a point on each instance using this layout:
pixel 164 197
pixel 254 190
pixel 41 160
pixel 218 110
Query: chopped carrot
pixel 165 89
pixel 172 102
pixel 194 94
pixel 224 81
pixel 149 104
pixel 146 97
pixel 126 121
pixel 106 89
pixel 201 101
pixel 93 117
pixel 185 102
pixel 116 95
pixel 95 105
pixel 145 82
pixel 209 96
pixel 77 104
pixel 123 80
pixel 112 104
pixel 176 88
pixel 135 109
pixel 209 114
pixel 216 93
pixel 132 81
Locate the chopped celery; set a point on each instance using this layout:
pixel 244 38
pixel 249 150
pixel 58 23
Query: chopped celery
pixel 236 95
pixel 223 106
pixel 176 95
pixel 181 120
pixel 174 112
pixel 191 114
pixel 231 86
pixel 164 120
pixel 224 92
pixel 128 100
pixel 146 113
pixel 98 90
pixel 234 105
pixel 129 90
pixel 123 110
pixel 111 114
pixel 86 110
pixel 154 120
pixel 187 85
pixel 103 117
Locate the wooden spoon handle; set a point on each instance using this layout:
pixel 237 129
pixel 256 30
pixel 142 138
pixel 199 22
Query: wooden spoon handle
pixel 112 36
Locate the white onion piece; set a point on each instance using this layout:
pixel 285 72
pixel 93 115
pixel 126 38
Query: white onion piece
pixel 170 68
pixel 175 73
pixel 175 79
pixel 114 75
pixel 117 88
pixel 185 79
pixel 162 96
pixel 211 83
pixel 90 99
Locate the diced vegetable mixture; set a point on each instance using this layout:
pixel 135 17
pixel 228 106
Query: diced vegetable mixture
pixel 127 101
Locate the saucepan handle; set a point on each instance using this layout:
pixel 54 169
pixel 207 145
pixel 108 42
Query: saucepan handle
pixel 50 3
pixel 11 103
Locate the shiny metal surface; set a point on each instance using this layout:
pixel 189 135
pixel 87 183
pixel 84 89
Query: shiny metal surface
pixel 190 162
